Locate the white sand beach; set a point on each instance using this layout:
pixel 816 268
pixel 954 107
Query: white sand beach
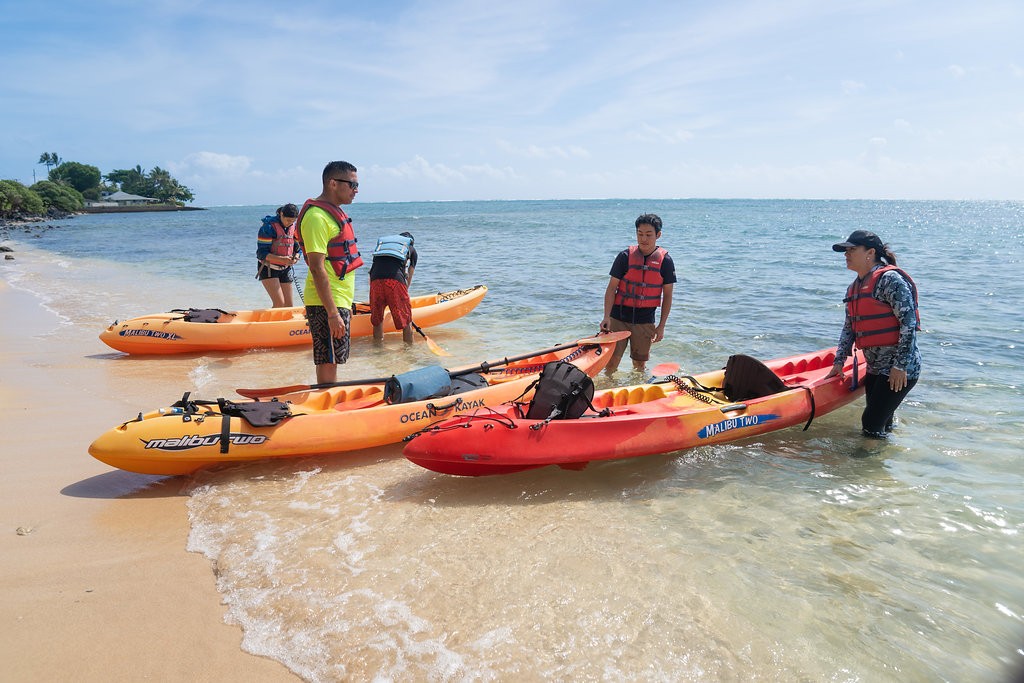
pixel 96 582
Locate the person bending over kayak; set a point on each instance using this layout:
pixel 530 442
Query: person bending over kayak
pixel 394 261
pixel 641 280
pixel 882 319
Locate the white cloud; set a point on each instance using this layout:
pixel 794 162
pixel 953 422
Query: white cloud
pixel 212 163
pixel 533 151
pixel 956 71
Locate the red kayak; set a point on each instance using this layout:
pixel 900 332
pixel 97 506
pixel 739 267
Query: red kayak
pixel 744 399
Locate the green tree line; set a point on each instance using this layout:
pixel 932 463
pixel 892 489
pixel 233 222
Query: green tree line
pixel 70 183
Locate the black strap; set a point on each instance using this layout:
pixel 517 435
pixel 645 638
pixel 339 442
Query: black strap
pixel 698 392
pixel 810 395
pixel 225 433
pixel 696 384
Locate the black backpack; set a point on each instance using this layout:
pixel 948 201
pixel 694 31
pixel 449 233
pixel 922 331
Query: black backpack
pixel 563 392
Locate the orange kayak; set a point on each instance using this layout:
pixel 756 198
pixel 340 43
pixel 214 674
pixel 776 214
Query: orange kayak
pixel 173 332
pixel 629 422
pixel 342 416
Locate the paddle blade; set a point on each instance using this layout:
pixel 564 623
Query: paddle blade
pixel 273 391
pixel 431 344
pixel 663 369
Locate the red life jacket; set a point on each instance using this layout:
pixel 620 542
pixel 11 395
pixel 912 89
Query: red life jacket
pixel 641 286
pixel 874 323
pixel 342 253
pixel 284 241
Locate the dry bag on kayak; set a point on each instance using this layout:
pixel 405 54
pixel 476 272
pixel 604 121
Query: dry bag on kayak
pixel 418 385
pixel 563 392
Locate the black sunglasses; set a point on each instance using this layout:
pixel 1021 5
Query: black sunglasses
pixel 351 183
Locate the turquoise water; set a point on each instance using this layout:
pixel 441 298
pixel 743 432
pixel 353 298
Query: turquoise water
pixel 795 556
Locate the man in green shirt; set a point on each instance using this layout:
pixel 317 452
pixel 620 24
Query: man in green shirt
pixel 329 246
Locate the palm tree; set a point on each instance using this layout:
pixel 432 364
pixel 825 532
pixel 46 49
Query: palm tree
pixel 49 159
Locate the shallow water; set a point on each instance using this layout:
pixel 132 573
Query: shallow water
pixel 794 556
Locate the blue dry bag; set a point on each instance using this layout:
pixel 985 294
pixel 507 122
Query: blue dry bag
pixel 417 385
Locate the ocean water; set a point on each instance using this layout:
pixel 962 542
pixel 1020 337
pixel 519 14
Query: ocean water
pixel 809 556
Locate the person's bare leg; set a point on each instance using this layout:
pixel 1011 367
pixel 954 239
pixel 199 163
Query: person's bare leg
pixel 273 288
pixel 326 373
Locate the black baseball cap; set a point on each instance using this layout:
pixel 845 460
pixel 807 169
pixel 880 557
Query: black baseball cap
pixel 860 238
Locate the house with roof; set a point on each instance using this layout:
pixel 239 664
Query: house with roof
pixel 120 198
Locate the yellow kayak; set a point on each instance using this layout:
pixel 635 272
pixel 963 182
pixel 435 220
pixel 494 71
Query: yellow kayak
pixel 331 418
pixel 192 330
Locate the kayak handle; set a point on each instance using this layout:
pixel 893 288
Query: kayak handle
pixel 434 409
pixel 733 406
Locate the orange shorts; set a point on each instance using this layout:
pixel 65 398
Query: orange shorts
pixel 393 295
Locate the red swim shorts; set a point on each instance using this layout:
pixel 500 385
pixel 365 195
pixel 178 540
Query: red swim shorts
pixel 394 295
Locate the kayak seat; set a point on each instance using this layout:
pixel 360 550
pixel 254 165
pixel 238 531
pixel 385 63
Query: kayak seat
pixel 320 400
pixel 654 392
pixel 273 315
pixel 612 398
pixel 807 365
pixel 747 378
pixel 359 399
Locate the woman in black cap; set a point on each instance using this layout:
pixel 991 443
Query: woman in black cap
pixel 882 319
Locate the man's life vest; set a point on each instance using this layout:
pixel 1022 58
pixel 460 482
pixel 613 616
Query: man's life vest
pixel 873 321
pixel 397 246
pixel 284 239
pixel 641 286
pixel 342 253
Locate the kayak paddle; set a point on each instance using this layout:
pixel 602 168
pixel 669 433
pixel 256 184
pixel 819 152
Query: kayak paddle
pixel 662 370
pixel 431 344
pixel 483 367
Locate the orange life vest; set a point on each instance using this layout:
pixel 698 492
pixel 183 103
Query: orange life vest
pixel 641 286
pixel 874 323
pixel 284 240
pixel 342 253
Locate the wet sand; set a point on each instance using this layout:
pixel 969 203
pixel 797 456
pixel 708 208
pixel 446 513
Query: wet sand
pixel 96 582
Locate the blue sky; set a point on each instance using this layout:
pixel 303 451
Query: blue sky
pixel 244 102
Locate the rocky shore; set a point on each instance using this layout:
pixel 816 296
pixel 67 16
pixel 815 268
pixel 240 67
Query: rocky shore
pixel 30 226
